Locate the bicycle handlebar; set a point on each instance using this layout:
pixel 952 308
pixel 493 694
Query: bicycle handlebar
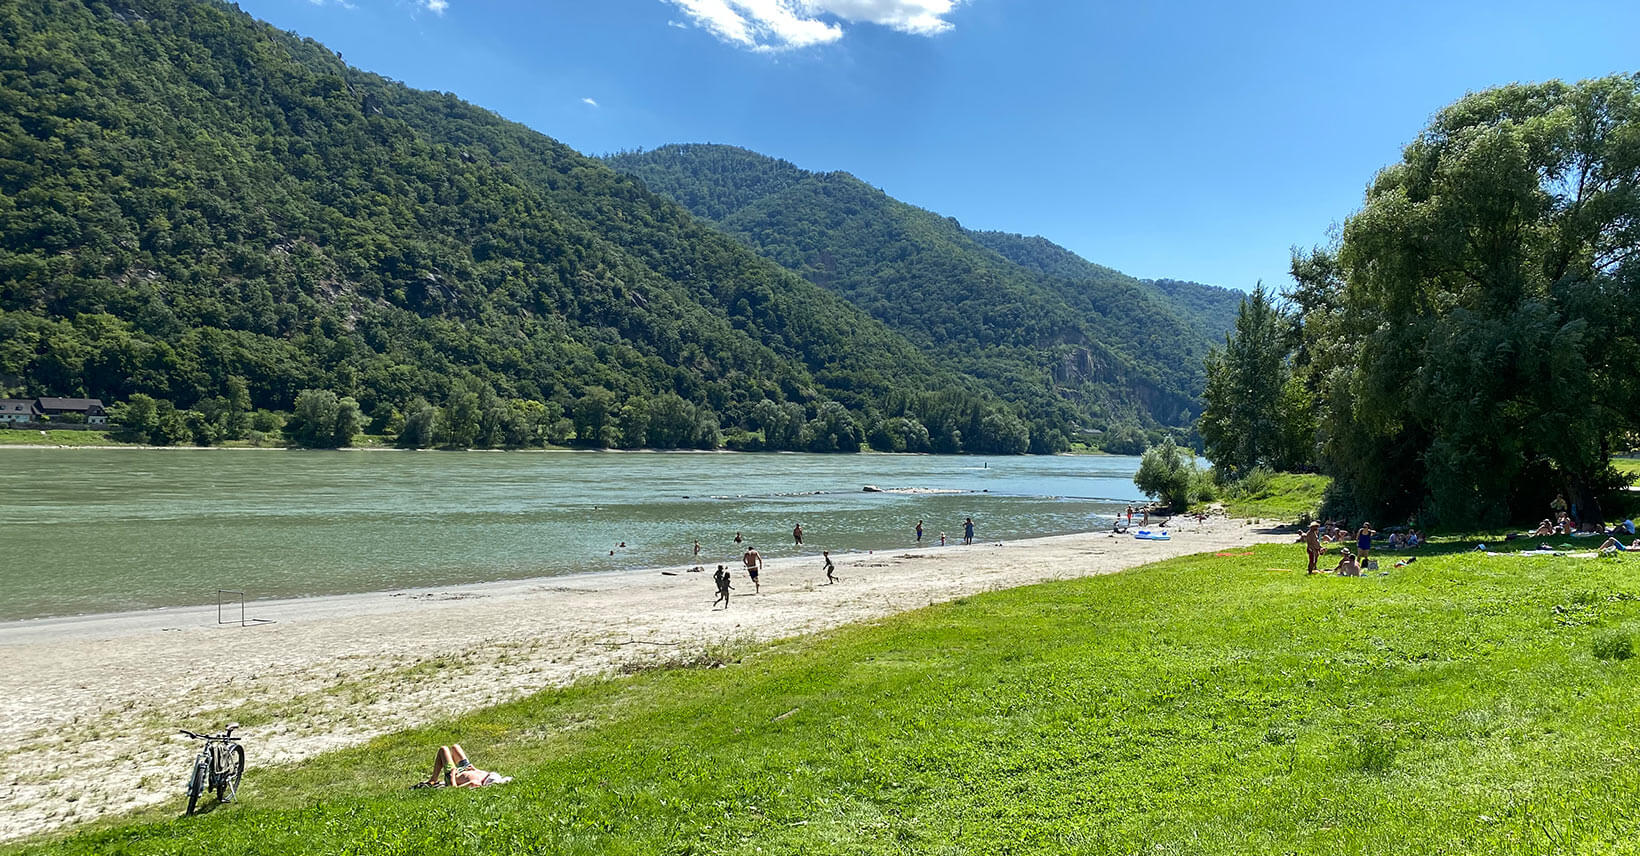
pixel 225 735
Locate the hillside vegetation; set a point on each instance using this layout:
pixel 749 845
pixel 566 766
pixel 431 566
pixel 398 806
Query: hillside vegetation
pixel 192 202
pixel 1210 704
pixel 1038 325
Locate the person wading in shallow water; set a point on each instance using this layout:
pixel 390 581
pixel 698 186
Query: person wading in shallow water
pixel 797 534
pixel 968 530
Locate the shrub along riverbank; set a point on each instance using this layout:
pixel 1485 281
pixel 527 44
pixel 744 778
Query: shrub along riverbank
pixel 1211 704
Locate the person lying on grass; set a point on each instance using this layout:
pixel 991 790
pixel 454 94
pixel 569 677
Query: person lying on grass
pixel 452 769
pixel 1613 545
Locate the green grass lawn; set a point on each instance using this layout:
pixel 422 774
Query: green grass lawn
pixel 1627 466
pixel 1283 496
pixel 55 437
pixel 1212 704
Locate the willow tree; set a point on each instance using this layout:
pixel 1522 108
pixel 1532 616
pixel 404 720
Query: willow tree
pixel 1475 337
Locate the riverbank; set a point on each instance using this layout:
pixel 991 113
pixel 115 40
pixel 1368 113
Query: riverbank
pixel 102 695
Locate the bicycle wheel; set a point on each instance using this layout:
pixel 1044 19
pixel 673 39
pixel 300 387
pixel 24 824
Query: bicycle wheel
pixel 227 787
pixel 196 784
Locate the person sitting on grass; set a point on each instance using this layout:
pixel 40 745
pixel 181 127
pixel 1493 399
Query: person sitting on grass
pixel 1543 529
pixel 451 769
pixel 1613 545
pixel 1348 566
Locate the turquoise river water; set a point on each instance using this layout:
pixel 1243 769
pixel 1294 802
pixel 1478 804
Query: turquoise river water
pixel 89 530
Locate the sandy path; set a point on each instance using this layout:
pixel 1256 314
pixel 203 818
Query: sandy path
pixel 102 696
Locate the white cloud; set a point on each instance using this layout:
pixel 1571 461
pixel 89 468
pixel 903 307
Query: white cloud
pixel 437 7
pixel 771 25
pixel 589 102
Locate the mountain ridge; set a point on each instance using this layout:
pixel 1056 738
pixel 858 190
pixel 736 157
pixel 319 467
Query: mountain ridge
pixel 1034 322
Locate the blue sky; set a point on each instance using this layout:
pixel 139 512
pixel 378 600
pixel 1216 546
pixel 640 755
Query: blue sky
pixel 1191 140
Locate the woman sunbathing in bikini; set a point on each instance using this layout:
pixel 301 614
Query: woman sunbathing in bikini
pixel 452 769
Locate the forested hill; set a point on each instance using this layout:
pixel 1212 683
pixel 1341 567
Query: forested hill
pixel 1208 308
pixel 1033 321
pixel 194 204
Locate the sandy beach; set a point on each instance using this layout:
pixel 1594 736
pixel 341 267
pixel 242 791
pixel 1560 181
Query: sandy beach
pixel 99 698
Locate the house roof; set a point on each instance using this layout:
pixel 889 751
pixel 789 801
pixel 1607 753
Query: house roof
pixel 79 404
pixel 16 405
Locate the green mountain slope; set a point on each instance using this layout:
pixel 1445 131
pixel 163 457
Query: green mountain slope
pixel 188 196
pixel 1035 323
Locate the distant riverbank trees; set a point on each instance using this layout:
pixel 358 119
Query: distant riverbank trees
pixel 1470 346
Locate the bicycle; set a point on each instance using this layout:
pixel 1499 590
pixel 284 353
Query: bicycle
pixel 218 766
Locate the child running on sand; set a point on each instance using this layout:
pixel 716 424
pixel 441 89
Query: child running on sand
pixel 721 578
pixel 831 570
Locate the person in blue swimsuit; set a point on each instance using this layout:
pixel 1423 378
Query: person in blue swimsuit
pixel 1363 542
pixel 968 530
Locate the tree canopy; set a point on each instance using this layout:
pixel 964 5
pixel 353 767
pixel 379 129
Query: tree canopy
pixel 1471 343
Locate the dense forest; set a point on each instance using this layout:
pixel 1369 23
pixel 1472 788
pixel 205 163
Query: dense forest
pixel 203 216
pixel 1038 325
pixel 1470 345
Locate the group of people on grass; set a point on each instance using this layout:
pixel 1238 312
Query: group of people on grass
pixel 1351 564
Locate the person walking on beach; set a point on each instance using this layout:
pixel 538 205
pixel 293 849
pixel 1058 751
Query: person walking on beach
pixel 797 534
pixel 1130 517
pixel 968 530
pixel 831 570
pixel 721 578
pixel 919 532
pixel 1312 545
pixel 754 563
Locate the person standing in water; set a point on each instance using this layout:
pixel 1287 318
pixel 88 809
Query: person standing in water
pixel 738 539
pixel 968 530
pixel 697 548
pixel 754 563
pixel 831 570
pixel 797 534
pixel 919 532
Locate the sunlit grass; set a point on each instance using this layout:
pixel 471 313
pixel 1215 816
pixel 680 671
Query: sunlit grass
pixel 55 437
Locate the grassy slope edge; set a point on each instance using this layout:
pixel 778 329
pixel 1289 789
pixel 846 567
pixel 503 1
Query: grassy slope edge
pixel 1209 704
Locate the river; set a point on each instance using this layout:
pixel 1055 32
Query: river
pixel 105 530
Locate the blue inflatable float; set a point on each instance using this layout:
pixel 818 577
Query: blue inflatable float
pixel 1147 535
